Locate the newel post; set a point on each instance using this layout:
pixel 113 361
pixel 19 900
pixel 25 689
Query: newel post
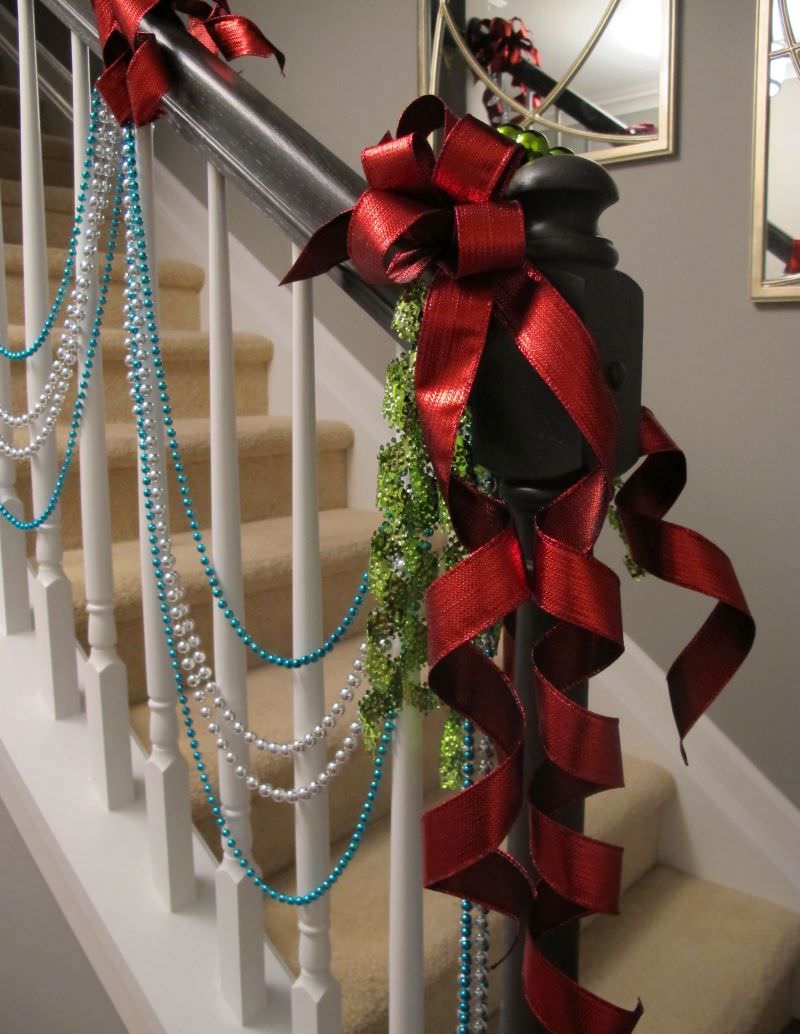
pixel 524 437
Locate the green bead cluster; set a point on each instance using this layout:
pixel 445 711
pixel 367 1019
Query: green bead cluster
pixel 414 543
pixel 534 142
pixel 636 571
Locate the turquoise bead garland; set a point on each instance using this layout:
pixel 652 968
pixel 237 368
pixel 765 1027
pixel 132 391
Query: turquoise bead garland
pixel 217 591
pixel 86 374
pixel 72 247
pixel 139 267
pixel 472 971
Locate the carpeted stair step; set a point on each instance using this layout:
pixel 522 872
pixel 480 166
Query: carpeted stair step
pixel 53 120
pixel 56 158
pixel 178 297
pixel 703 959
pixel 265 461
pixel 9 107
pixel 185 355
pixel 631 816
pixel 59 203
pixel 266 557
pixel 360 905
pixel 269 694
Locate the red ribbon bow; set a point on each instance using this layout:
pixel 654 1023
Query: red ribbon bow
pixel 136 77
pixel 449 216
pixel 501 45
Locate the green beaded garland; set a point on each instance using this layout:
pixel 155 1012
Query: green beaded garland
pixel 636 571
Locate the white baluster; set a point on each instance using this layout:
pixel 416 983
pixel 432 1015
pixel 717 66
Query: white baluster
pixel 52 597
pixel 316 997
pixel 105 678
pixel 406 959
pixel 15 607
pixel 241 933
pixel 166 771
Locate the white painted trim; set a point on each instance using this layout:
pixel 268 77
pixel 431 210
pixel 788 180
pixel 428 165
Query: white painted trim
pixel 727 823
pixel 346 390
pixel 160 970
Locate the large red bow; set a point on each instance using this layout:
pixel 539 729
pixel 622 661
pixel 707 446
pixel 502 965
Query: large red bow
pixel 449 216
pixel 502 45
pixel 136 78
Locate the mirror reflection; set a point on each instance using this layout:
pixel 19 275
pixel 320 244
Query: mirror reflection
pixel 777 222
pixel 595 76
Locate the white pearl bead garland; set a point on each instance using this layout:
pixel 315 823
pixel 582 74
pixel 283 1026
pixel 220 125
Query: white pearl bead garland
pixel 199 675
pixel 54 393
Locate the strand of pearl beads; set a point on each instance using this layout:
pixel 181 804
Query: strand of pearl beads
pixel 286 749
pixel 103 141
pixel 168 614
pixel 187 645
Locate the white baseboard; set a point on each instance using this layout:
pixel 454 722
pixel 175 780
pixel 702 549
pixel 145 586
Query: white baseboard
pixel 346 390
pixel 728 822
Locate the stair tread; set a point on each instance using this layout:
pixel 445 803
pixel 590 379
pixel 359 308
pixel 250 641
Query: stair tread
pixel 266 555
pixel 704 959
pixel 175 344
pixel 257 435
pixel 171 272
pixel 360 925
pixel 629 815
pixel 676 935
pixel 58 147
pixel 361 958
pixel 56 199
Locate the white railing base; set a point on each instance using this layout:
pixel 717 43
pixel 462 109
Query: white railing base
pixel 15 607
pixel 106 693
pixel 160 971
pixel 316 1005
pixel 54 620
pixel 240 931
pixel 167 788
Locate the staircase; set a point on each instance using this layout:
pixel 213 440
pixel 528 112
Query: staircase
pixel 704 959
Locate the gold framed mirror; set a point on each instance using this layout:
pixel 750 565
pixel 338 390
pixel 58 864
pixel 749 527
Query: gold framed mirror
pixel 775 257
pixel 596 76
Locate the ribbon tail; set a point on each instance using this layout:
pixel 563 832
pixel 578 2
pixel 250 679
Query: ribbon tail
pixel 325 249
pixel 683 557
pixel 236 36
pixel 113 86
pixel 148 81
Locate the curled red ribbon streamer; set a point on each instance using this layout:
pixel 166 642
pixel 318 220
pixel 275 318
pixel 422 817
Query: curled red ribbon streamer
pixel 449 216
pixel 136 77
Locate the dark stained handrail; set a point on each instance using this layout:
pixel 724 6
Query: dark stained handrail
pixel 285 171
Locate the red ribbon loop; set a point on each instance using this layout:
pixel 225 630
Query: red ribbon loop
pixel 450 217
pixel 136 78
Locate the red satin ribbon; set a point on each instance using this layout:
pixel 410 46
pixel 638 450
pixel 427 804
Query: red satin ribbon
pixel 136 77
pixel 793 263
pixel 449 216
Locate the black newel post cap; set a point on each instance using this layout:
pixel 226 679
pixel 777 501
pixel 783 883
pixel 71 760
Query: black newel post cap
pixel 520 431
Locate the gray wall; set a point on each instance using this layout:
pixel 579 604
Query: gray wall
pixel 721 373
pixel 47 985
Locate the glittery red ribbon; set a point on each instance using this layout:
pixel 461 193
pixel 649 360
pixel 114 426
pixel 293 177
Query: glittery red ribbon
pixel 449 216
pixel 501 45
pixel 136 77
